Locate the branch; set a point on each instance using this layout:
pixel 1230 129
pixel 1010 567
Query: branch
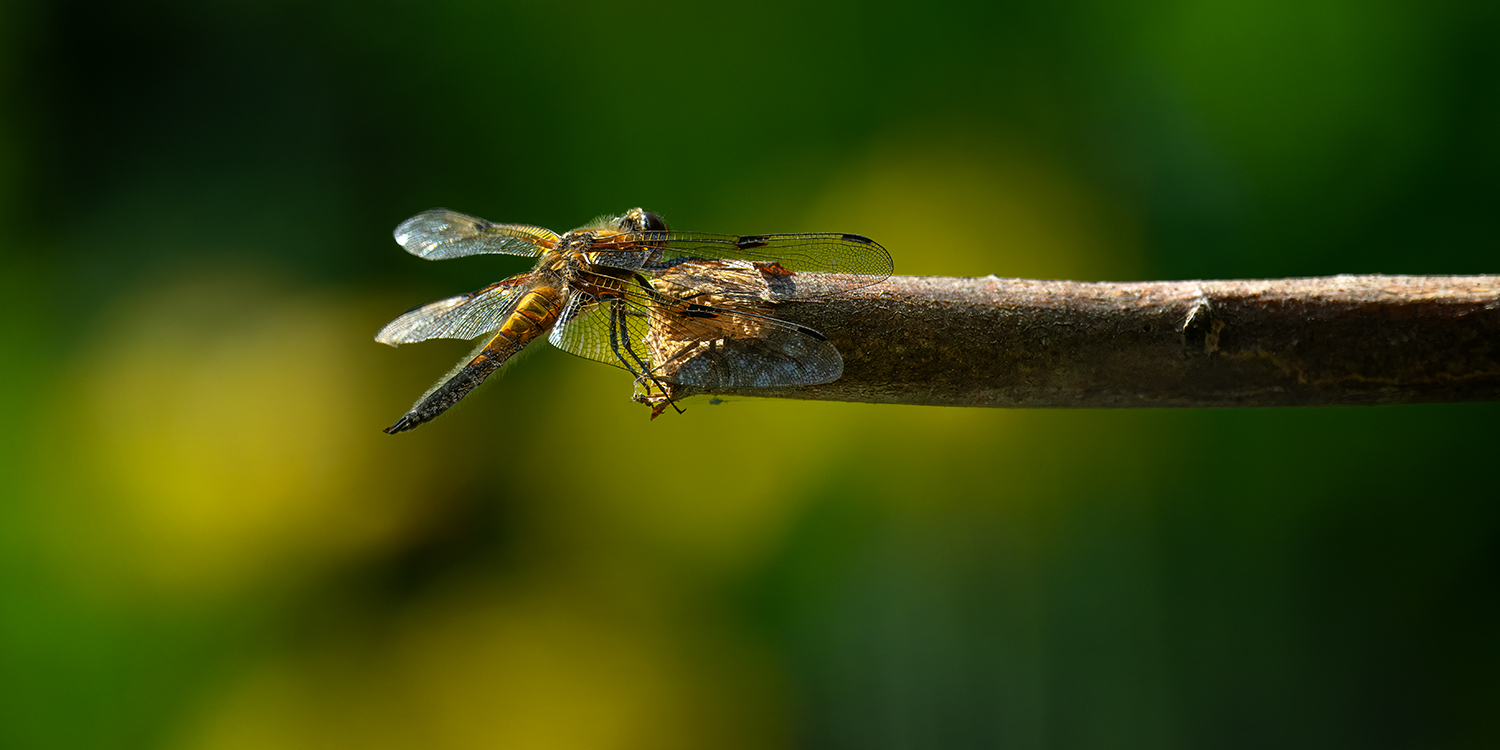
pixel 1286 342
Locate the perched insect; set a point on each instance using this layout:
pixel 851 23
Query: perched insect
pixel 683 308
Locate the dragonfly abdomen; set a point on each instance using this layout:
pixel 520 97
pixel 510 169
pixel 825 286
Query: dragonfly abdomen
pixel 533 315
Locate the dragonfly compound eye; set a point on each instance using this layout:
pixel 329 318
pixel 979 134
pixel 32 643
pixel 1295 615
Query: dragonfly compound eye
pixel 652 222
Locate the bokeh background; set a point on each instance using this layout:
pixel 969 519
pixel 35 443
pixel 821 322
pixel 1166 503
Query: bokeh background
pixel 207 542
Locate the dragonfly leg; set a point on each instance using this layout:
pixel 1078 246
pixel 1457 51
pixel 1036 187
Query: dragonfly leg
pixel 619 337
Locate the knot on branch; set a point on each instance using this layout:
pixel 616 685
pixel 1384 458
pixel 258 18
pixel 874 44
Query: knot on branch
pixel 1200 332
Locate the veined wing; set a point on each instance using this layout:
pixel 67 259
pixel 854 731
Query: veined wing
pixel 605 331
pixel 461 317
pixel 440 234
pixel 841 261
pixel 692 344
pixel 776 353
pixel 734 283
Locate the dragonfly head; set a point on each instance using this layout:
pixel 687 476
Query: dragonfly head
pixel 640 220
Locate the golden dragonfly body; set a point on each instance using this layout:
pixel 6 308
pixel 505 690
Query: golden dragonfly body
pixel 686 308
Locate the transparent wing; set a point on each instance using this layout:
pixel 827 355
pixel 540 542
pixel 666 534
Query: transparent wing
pixel 463 317
pixel 737 284
pixel 837 262
pixel 440 234
pixel 608 331
pixel 775 353
pixel 675 341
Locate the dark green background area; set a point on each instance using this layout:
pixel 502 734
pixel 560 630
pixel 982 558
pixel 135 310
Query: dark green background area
pixel 206 542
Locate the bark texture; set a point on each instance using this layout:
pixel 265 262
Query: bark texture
pixel 1341 340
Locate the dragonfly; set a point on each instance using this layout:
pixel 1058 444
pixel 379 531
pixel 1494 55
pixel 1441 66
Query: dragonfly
pixel 672 308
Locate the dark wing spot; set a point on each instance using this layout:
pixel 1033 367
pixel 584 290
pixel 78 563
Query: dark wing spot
pixel 861 239
pixel 774 268
pixel 812 333
pixel 750 241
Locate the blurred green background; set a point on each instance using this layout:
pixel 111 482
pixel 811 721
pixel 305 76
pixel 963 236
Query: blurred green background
pixel 207 542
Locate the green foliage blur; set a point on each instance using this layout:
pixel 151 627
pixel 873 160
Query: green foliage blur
pixel 207 542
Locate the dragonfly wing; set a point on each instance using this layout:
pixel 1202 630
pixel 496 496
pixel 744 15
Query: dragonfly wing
pixel 737 284
pixel 611 331
pixel 721 348
pixel 463 317
pixel 811 265
pixel 692 344
pixel 440 234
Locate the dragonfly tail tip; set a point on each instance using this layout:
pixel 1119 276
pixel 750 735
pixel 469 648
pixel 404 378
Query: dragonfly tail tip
pixel 402 425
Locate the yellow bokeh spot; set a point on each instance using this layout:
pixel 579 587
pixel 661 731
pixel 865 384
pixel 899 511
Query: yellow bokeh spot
pixel 542 666
pixel 218 431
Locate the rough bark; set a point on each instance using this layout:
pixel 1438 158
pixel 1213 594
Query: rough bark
pixel 1342 340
